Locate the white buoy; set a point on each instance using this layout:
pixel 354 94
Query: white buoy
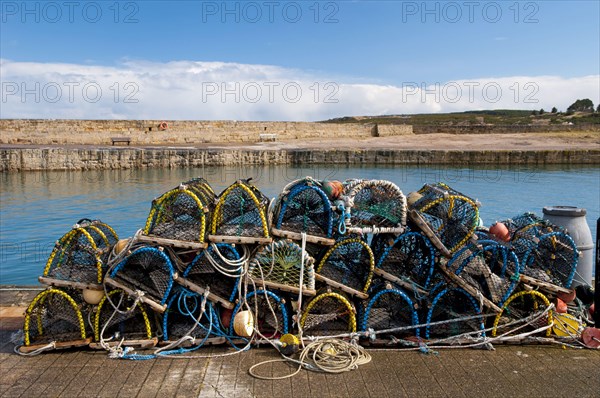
pixel 243 324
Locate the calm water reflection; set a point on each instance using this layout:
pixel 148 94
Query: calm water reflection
pixel 37 208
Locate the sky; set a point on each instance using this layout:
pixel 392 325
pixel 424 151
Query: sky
pixel 293 60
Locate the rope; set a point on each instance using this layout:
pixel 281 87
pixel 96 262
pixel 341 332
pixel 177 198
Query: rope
pixel 327 356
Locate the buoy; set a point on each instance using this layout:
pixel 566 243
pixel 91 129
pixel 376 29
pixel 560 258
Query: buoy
pixel 163 126
pixel 566 325
pixel 120 245
pixel 567 297
pixel 92 296
pixel 591 337
pixel 500 231
pixel 333 189
pixel 226 317
pixel 592 309
pixel 243 324
pixel 289 344
pixel 561 306
pixel 412 198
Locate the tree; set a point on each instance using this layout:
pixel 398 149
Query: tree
pixel 534 112
pixel 583 105
pixel 542 111
pixel 554 110
pixel 598 109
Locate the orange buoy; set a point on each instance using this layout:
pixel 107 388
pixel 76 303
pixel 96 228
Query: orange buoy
pixel 567 297
pixel 333 189
pixel 591 337
pixel 226 314
pixel 561 306
pixel 500 231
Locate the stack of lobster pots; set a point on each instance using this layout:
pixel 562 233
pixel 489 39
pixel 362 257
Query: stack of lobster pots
pixel 356 258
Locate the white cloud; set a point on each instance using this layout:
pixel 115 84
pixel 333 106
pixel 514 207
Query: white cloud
pixel 218 90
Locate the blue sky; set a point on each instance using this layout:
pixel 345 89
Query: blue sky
pixel 380 44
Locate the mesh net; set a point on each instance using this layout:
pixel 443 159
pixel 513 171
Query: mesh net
pixel 241 211
pixel 376 203
pixel 449 304
pixel 518 307
pixel 203 272
pixel 80 254
pixel 103 234
pixel 53 315
pixel 183 317
pixel 328 314
pixel 451 216
pixel 471 264
pixel 306 208
pixel 131 325
pixel 410 256
pixel 148 270
pixel 179 215
pixel 270 314
pixel 545 251
pixel 349 262
pixel 553 260
pixel 390 309
pixel 202 189
pixel 281 262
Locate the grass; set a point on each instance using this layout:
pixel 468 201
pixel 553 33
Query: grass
pixel 496 117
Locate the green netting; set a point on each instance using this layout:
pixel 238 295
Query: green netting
pixel 281 262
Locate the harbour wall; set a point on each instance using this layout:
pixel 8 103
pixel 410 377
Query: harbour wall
pixel 57 158
pixel 180 132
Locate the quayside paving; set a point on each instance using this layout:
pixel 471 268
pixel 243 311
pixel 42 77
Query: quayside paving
pixel 507 371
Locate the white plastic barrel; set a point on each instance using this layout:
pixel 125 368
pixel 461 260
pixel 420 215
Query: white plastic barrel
pixel 573 220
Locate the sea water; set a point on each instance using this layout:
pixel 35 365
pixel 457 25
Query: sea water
pixel 37 208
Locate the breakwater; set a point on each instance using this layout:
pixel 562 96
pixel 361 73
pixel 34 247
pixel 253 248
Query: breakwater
pixel 180 132
pixel 58 158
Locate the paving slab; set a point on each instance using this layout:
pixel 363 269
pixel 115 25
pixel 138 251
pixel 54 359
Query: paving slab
pixel 216 371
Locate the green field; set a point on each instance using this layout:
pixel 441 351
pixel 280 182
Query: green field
pixel 495 117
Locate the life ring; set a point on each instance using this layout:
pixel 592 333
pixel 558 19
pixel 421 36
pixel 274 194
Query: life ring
pixel 163 126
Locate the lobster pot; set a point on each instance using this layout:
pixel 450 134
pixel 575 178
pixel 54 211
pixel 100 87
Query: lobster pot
pixel 79 256
pixel 131 325
pixel 408 259
pixel 179 214
pixel 240 215
pixel 493 270
pixel 375 205
pixel 184 317
pixel 269 313
pixel 203 191
pixel 303 207
pixel 553 259
pixel 217 269
pixel 348 265
pixel 391 308
pixel 279 266
pixel 448 305
pixel 328 314
pixel 513 319
pixel 147 270
pixel 450 216
pixel 54 316
pixel 524 231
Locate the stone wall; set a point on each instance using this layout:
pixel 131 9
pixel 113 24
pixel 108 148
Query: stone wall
pixel 30 159
pixel 179 132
